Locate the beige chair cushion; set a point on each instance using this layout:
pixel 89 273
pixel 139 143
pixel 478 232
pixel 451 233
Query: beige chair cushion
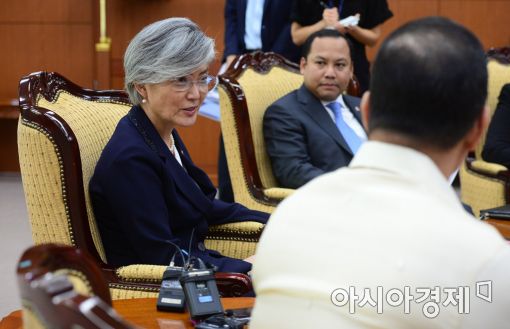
pixel 260 91
pixel 93 124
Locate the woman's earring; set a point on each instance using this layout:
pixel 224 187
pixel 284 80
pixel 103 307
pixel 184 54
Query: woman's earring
pixel 144 100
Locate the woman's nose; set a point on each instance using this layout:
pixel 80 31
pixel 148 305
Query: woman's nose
pixel 194 91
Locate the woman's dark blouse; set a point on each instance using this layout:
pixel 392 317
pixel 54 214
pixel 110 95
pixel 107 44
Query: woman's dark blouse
pixel 143 199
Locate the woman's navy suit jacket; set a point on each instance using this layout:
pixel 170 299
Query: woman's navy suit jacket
pixel 143 198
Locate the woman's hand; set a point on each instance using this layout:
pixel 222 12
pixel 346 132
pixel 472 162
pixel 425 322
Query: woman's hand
pixel 330 17
pixel 368 37
pixel 250 259
pixel 346 29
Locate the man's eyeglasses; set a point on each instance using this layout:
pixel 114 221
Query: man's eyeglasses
pixel 204 84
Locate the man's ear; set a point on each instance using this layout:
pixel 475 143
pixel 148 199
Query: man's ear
pixel 302 64
pixel 365 110
pixel 479 127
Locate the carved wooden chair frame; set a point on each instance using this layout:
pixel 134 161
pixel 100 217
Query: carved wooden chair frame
pixel 52 299
pixel 47 85
pixel 261 63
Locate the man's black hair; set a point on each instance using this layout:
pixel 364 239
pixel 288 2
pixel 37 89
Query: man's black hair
pixel 429 82
pixel 326 33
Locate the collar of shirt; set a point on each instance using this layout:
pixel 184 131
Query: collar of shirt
pixel 404 161
pixel 348 117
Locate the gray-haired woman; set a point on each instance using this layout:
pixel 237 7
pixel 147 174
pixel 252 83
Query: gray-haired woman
pixel 147 194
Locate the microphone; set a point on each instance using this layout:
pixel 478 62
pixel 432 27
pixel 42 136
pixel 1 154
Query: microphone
pixel 178 250
pixel 189 248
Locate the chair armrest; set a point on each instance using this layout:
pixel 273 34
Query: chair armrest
pixel 141 273
pixel 233 284
pixel 490 168
pixel 241 231
pixel 278 192
pixel 236 240
pixel 229 284
pixel 484 185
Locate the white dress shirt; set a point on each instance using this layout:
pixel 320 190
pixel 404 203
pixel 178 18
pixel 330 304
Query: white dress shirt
pixel 389 221
pixel 253 24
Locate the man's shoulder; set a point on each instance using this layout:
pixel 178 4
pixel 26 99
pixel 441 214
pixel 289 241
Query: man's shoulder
pixel 351 100
pixel 285 104
pixel 290 97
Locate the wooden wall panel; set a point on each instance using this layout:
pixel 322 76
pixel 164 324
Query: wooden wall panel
pixel 128 17
pixel 45 11
pixel 67 49
pixel 403 12
pixel 489 20
pixel 60 35
pixel 53 35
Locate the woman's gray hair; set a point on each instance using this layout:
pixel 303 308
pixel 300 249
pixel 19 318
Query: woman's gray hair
pixel 165 50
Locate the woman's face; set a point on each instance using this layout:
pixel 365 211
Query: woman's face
pixel 174 103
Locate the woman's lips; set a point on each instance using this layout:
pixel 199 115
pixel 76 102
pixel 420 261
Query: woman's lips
pixel 190 110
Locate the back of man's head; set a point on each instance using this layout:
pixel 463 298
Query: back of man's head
pixel 429 83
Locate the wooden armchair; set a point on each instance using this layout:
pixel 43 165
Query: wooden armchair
pixel 252 83
pixel 62 287
pixel 483 184
pixel 62 131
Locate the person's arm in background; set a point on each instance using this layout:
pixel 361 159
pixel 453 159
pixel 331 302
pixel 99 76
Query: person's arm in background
pixel 497 144
pixel 300 33
pixel 230 37
pixel 368 37
pixel 372 18
pixel 287 148
pixel 231 212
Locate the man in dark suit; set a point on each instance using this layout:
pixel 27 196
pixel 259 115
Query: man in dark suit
pixel 315 129
pixel 497 144
pixel 274 28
